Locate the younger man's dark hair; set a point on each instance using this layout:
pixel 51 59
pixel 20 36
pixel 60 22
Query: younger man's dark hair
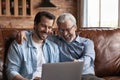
pixel 39 15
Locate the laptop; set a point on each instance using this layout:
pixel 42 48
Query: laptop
pixel 62 71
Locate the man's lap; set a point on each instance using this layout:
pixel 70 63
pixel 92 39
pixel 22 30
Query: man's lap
pixel 90 77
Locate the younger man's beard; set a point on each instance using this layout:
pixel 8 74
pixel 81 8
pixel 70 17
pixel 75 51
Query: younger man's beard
pixel 37 33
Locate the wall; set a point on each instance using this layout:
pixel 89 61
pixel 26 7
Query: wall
pixel 27 22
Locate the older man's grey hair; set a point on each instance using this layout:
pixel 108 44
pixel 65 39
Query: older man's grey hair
pixel 64 17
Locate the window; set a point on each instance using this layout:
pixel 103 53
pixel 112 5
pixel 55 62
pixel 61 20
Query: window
pixel 101 13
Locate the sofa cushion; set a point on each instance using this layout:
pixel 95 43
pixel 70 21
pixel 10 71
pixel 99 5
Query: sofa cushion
pixel 112 78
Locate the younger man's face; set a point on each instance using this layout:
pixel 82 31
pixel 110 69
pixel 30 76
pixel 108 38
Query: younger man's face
pixel 44 28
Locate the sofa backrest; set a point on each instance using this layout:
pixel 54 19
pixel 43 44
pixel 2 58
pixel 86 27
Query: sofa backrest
pixel 107 48
pixel 106 41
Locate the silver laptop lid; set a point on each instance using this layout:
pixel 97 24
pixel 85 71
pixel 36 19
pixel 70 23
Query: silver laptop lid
pixel 62 71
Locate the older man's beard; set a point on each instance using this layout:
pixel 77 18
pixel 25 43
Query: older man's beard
pixel 67 38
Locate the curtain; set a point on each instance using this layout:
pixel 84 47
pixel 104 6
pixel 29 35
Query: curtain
pixel 81 12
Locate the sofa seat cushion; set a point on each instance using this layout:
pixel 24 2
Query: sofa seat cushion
pixel 112 78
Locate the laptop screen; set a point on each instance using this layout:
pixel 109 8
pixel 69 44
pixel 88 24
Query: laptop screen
pixel 62 71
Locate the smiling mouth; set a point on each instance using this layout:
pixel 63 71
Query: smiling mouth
pixel 45 33
pixel 68 36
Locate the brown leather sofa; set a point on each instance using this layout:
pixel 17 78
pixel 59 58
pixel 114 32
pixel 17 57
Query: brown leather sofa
pixel 107 48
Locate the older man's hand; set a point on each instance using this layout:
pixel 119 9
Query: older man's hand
pixel 21 36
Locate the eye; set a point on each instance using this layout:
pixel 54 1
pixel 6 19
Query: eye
pixel 49 27
pixel 43 25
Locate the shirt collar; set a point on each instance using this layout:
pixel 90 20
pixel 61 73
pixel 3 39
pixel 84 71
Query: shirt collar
pixel 30 42
pixel 77 39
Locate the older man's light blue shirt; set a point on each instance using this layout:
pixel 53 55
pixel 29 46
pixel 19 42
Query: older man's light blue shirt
pixel 81 49
pixel 22 58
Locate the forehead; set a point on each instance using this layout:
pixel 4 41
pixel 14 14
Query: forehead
pixel 66 24
pixel 46 20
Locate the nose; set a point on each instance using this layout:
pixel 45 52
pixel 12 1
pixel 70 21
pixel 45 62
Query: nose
pixel 46 29
pixel 65 33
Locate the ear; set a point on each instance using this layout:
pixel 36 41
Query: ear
pixel 34 28
pixel 75 28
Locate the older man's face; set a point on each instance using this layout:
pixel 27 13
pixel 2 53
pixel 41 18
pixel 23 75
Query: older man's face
pixel 67 31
